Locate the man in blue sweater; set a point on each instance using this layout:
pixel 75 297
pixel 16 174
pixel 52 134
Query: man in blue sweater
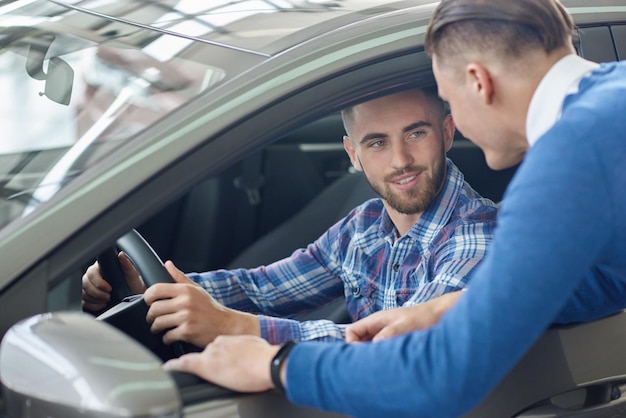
pixel 517 88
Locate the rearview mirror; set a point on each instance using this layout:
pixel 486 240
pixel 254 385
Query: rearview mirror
pixel 59 77
pixel 59 81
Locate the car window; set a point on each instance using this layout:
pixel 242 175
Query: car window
pixel 69 101
pixel 93 83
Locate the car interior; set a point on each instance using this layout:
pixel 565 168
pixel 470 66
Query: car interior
pixel 270 192
pixel 269 204
pixel 247 215
pixel 280 199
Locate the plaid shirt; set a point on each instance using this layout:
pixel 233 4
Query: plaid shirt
pixel 362 258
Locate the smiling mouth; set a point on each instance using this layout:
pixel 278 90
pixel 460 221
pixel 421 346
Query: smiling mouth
pixel 406 180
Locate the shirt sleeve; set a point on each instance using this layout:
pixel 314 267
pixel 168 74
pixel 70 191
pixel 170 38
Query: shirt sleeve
pixel 297 283
pixel 307 279
pixel 543 249
pixel 457 257
pixel 279 330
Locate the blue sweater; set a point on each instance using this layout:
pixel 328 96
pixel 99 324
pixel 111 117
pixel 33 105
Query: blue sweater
pixel 559 255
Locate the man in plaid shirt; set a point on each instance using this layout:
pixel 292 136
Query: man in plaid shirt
pixel 422 238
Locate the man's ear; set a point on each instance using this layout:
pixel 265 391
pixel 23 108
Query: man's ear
pixel 348 146
pixel 448 132
pixel 480 81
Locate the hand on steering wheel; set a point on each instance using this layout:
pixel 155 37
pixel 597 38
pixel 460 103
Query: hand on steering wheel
pixel 129 315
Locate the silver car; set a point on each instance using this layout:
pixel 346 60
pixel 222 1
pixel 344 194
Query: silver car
pixel 208 133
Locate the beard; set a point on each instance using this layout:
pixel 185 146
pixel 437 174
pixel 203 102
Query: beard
pixel 418 199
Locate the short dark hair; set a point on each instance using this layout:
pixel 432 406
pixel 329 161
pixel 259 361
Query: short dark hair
pixel 432 97
pixel 507 28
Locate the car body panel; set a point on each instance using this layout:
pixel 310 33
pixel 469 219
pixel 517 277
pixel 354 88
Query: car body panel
pixel 45 373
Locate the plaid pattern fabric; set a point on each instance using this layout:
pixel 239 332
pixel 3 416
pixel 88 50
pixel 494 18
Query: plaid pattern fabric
pixel 362 258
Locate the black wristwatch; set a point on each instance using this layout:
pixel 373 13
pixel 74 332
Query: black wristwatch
pixel 277 363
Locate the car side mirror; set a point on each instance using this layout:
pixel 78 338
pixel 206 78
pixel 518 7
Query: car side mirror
pixel 71 365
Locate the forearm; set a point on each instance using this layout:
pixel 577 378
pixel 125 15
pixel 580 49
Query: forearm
pixel 524 282
pixel 225 286
pixel 270 290
pixel 462 357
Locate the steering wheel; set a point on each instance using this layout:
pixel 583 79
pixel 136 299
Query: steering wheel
pixel 129 312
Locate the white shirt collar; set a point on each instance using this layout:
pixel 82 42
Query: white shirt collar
pixel 561 80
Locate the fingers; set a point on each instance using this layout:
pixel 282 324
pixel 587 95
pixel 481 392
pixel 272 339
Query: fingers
pixel 177 329
pixel 388 332
pixel 187 312
pixel 96 292
pixel 168 290
pixel 173 317
pixel 386 324
pixel 375 331
pixel 179 323
pixel 177 275
pixel 239 363
pixel 365 329
pixel 133 279
pixel 355 335
pixel 162 301
pixel 161 291
pixel 183 311
pixel 188 363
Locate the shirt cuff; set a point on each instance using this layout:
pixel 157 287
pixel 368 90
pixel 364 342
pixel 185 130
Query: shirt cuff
pixel 279 330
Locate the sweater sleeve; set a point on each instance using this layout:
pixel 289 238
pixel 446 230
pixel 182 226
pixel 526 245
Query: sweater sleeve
pixel 544 248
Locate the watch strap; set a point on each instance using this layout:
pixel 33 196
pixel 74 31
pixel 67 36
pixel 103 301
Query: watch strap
pixel 277 363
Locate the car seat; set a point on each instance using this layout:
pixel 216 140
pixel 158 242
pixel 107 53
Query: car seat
pixel 305 227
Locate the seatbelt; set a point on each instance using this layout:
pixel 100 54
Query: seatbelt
pixel 250 182
pixel 251 179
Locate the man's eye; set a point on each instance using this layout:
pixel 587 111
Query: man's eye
pixel 417 134
pixel 376 144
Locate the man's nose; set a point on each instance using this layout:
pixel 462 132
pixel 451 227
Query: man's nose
pixel 401 155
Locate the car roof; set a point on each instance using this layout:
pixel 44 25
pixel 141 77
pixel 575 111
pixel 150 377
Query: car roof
pixel 259 27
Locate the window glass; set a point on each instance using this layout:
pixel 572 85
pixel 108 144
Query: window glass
pixel 71 97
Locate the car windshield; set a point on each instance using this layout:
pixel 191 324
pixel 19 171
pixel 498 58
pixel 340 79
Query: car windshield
pixel 71 98
pixel 78 85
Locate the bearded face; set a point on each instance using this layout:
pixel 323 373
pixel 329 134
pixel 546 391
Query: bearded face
pixel 416 199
